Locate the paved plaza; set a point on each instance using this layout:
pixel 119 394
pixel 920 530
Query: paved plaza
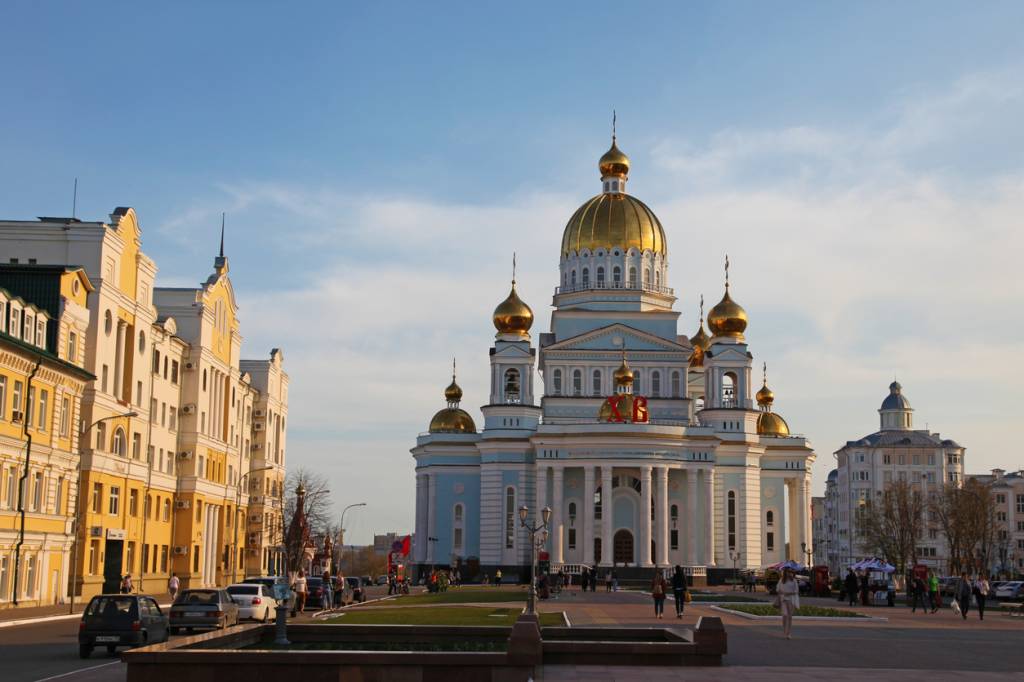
pixel 932 647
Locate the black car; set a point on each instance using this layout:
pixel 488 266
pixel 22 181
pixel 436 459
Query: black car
pixel 114 620
pixel 315 592
pixel 358 589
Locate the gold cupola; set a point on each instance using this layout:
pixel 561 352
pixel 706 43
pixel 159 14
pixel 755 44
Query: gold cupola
pixel 513 316
pixel 727 318
pixel 699 341
pixel 769 423
pixel 614 162
pixel 623 375
pixel 452 419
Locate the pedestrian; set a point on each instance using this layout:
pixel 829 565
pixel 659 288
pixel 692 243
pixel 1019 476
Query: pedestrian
pixel 299 588
pixel 126 584
pixel 608 581
pixel 497 578
pixel 679 590
pixel 615 582
pixel 787 599
pixel 918 592
pixel 851 586
pixel 486 580
pixel 593 580
pixel 934 598
pixel 865 588
pixel 327 600
pixel 962 594
pixel 173 584
pixel 981 588
pixel 658 589
pixel 584 579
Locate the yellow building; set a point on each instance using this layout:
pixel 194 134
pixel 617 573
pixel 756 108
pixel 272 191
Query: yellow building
pixel 166 426
pixel 43 323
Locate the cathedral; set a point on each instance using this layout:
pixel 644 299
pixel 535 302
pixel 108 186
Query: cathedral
pixel 652 448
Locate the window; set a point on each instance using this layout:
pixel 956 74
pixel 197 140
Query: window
pixel 597 503
pixel 30 577
pixel 769 519
pixel 204 379
pixel 617 277
pixel 596 382
pixel 728 389
pixel 917 459
pixel 886 459
pixel 130 558
pixel 675 385
pixel 115 500
pixel 172 423
pixel 156 361
pixel 97 498
pixel 600 277
pixel 573 280
pixel 512 387
pixel 556 382
pixel 163 414
pixel 656 384
pixel 147 507
pixel 632 278
pixel 174 370
pixel 12 477
pixel 577 382
pixel 120 447
pixel 133 502
pixel 1020 504
pixel 16 397
pixel 37 491
pixel 167 509
pixel 136 446
pixel 72 346
pixel 163 558
pixel 586 277
pixel 647 278
pixel 770 541
pixel 138 392
pixel 3 397
pixel 108 323
pixel 30 405
pixel 5 577
pixel 510 517
pixel 65 416
pixel 731 514
pixel 58 501
pixel 104 375
pixel 572 538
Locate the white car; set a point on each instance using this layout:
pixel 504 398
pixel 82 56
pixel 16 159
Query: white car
pixel 1013 589
pixel 254 601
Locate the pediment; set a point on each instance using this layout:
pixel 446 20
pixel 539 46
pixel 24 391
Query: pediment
pixel 728 352
pixel 601 339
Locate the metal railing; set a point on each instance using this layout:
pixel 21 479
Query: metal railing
pixel 624 286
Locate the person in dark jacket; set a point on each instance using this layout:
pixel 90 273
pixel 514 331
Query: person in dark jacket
pixel 679 590
pixel 919 595
pixel 851 586
pixel 865 588
pixel 962 594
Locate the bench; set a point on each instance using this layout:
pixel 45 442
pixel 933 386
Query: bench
pixel 1012 609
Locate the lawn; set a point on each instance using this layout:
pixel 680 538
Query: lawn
pixel 447 615
pixel 816 611
pixel 472 595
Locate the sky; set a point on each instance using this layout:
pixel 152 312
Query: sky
pixel 862 164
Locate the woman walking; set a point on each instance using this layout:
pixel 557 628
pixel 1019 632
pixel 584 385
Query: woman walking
pixel 787 599
pixel 679 590
pixel 658 588
pixel 981 588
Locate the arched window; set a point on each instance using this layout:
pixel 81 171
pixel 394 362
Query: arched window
pixel 108 323
pixel 142 343
pixel 574 279
pixel 577 382
pixel 556 382
pixel 510 517
pixel 674 513
pixel 657 279
pixel 617 277
pixel 600 277
pixel 728 390
pixel 632 278
pixel 572 513
pixel 167 509
pixel 675 384
pixel 120 444
pixel 656 384
pixel 769 518
pixel 647 278
pixel 512 394
pixel 731 516
pixel 637 383
pixel 586 277
pixel 596 382
pixel 457 529
pixel 597 503
pixel 673 534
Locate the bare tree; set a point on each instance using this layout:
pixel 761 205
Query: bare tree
pixel 967 517
pixel 891 525
pixel 316 507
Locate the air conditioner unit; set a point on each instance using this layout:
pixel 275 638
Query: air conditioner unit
pixel 95 531
pixel 257 446
pixel 257 426
pixel 17 416
pixel 254 539
pixel 180 550
pixel 255 518
pixel 185 454
pixel 256 499
pixel 188 409
pixel 182 504
pixel 191 365
pixel 258 413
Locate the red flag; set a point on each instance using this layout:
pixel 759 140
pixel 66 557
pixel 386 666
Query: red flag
pixel 406 545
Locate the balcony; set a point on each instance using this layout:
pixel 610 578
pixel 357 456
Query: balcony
pixel 620 286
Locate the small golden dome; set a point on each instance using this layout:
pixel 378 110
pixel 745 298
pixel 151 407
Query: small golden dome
pixel 452 420
pixel 623 375
pixel 624 406
pixel 765 397
pixel 700 342
pixel 614 162
pixel 453 393
pixel 613 220
pixel 727 318
pixel 512 316
pixel 771 424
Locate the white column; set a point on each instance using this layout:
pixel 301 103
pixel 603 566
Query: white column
pixel 709 516
pixel 645 517
pixel 691 523
pixel 119 361
pixel 606 515
pixel 421 518
pixel 557 524
pixel 661 513
pixel 804 500
pixel 431 517
pixel 586 515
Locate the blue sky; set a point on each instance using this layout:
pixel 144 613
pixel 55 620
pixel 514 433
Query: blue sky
pixel 860 162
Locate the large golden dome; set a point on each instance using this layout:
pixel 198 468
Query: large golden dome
pixel 513 316
pixel 771 424
pixel 614 219
pixel 727 318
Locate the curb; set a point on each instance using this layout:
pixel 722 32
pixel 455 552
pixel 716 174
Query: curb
pixel 821 619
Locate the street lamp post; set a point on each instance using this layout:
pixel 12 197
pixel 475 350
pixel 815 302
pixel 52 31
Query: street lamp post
pixel 75 522
pixel 735 556
pixel 341 530
pixel 545 515
pixel 238 502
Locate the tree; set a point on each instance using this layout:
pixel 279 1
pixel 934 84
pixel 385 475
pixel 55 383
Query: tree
pixel 891 524
pixel 967 517
pixel 315 517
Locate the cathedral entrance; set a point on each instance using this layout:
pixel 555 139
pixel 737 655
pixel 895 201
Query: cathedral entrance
pixel 623 547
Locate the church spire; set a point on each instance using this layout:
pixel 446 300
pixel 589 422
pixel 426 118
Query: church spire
pixel 220 263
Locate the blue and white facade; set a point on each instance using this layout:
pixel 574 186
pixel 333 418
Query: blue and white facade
pixel 707 482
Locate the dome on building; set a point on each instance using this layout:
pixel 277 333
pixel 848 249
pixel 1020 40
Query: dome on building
pixel 699 341
pixel 453 393
pixel 765 397
pixel 727 318
pixel 614 162
pixel 771 424
pixel 513 316
pixel 452 419
pixel 833 475
pixel 614 220
pixel 623 375
pixel 895 400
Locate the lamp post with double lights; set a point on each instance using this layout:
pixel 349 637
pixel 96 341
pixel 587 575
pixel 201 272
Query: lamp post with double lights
pixel 76 521
pixel 533 530
pixel 735 556
pixel 807 552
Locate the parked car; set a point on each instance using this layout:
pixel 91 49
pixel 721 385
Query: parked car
pixel 314 592
pixel 346 595
pixel 358 591
pixel 203 608
pixel 254 600
pixel 367 580
pixel 114 620
pixel 1012 589
pixel 947 585
pixel 267 581
pixel 382 580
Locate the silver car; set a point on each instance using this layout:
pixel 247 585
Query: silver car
pixel 254 601
pixel 203 608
